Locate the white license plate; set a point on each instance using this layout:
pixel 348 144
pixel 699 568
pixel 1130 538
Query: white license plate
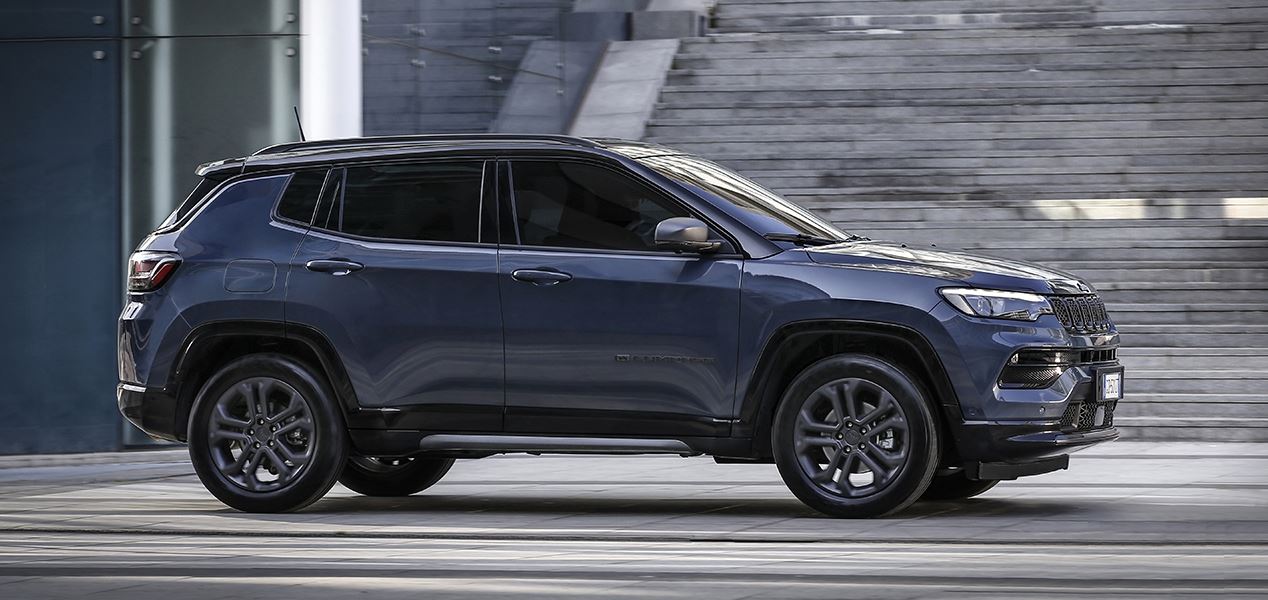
pixel 1112 386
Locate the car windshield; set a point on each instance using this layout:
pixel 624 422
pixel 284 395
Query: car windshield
pixel 726 187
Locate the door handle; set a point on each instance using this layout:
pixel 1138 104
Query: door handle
pixel 541 276
pixel 336 267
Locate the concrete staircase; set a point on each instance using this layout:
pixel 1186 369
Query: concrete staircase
pixel 444 66
pixel 1123 140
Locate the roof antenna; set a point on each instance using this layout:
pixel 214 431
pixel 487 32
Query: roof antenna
pixel 299 124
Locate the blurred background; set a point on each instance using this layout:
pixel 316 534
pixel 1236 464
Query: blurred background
pixel 1123 140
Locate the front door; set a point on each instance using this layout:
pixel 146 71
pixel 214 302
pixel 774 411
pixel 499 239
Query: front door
pixel 396 273
pixel 605 334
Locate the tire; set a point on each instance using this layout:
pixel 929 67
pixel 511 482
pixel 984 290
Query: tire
pixel 392 477
pixel 876 461
pixel 956 486
pixel 285 467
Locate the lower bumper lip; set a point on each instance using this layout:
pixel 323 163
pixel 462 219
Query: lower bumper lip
pixel 1056 438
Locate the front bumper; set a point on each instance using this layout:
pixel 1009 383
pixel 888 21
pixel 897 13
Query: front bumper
pixel 151 411
pixel 1011 450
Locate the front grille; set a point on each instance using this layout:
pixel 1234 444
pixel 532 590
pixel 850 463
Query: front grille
pixel 1087 416
pixel 1082 314
pixel 1098 356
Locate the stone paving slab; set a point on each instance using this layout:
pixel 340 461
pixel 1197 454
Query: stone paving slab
pixel 1125 492
pixel 1128 520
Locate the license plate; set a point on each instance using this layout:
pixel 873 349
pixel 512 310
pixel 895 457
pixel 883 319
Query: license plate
pixel 1111 385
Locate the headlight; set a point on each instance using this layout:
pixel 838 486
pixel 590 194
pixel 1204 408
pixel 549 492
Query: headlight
pixel 997 304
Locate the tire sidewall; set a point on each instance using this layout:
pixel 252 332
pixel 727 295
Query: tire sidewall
pixel 913 477
pixel 330 435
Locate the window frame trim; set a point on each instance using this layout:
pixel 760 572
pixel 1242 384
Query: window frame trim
pixel 507 209
pixel 321 194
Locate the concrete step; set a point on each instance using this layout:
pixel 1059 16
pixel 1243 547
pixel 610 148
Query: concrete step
pixel 1136 292
pixel 1207 429
pixel 981 128
pixel 973 76
pixel 1065 230
pixel 1019 19
pixel 750 8
pixel 898 209
pixel 754 159
pixel 983 66
pixel 880 144
pixel 1141 383
pixel 1147 406
pixel 1183 359
pixel 1204 250
pixel 1187 55
pixel 1232 178
pixel 1051 87
pixel 1208 273
pixel 1237 336
pixel 818 43
pixel 951 117
pixel 844 111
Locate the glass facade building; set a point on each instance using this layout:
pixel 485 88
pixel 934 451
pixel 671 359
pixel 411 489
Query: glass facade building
pixel 109 106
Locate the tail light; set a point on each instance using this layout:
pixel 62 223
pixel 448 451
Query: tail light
pixel 148 270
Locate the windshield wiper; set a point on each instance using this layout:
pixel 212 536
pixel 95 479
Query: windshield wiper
pixel 805 239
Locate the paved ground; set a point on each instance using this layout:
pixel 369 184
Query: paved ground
pixel 1130 520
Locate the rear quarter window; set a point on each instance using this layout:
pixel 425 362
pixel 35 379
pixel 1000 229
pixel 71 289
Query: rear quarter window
pixel 299 201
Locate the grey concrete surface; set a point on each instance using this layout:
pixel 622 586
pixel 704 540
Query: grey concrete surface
pixel 1127 520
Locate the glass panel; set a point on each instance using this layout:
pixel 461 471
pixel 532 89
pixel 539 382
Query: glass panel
pixel 730 189
pixel 60 204
pixel 192 100
pixel 576 205
pixel 437 202
pixel 300 199
pixel 165 18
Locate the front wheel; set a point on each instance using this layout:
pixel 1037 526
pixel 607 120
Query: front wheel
pixel 371 476
pixel 266 435
pixel 854 437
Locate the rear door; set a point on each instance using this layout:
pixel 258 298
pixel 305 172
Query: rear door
pixel 606 334
pixel 400 275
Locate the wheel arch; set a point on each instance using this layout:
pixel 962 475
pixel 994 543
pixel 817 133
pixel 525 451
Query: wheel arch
pixel 796 346
pixel 211 345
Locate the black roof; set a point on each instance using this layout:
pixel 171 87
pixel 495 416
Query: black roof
pixel 424 139
pixel 318 151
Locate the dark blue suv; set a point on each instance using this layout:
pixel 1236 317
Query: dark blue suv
pixel 368 310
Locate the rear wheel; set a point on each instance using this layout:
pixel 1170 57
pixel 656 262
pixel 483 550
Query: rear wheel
pixel 266 435
pixel 371 476
pixel 854 437
pixel 957 486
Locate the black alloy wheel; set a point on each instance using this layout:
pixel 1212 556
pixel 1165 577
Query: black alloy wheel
pixel 266 434
pixel 854 437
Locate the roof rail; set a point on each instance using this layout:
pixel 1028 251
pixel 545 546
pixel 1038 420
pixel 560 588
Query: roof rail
pixel 436 137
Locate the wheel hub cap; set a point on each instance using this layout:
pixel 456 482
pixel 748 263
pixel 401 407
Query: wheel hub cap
pixel 261 434
pixel 851 437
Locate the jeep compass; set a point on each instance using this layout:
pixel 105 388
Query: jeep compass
pixel 369 310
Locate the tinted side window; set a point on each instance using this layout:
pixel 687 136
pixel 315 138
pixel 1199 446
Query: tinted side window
pixel 195 197
pixel 437 202
pixel 577 205
pixel 300 198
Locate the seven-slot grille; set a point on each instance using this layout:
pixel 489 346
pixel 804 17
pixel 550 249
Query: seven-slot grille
pixel 1083 314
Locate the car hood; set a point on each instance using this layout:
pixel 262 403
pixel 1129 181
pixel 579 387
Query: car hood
pixel 974 270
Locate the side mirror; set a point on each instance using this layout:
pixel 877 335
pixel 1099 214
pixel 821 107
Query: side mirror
pixel 685 234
